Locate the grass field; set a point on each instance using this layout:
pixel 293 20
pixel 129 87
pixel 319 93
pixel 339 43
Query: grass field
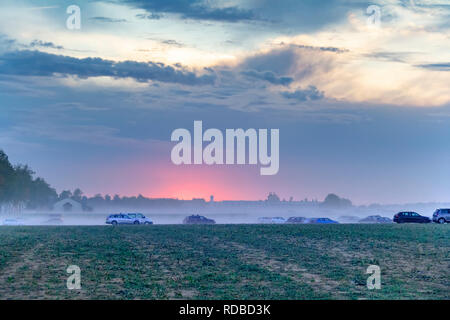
pixel 226 261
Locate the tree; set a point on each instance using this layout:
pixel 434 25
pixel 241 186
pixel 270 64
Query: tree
pixel 65 194
pixel 42 195
pixel 332 200
pixel 22 184
pixel 273 198
pixel 18 188
pixel 77 195
pixel 6 178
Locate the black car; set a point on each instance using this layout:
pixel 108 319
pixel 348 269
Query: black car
pixel 197 219
pixel 410 217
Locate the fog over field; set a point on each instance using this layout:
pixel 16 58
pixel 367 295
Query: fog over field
pixel 240 214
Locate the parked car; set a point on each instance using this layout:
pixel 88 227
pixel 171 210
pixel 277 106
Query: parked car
pixel 197 219
pixel 375 219
pixel 121 218
pixel 296 220
pixel 322 221
pixel 276 220
pixel 140 217
pixel 441 216
pixel 410 217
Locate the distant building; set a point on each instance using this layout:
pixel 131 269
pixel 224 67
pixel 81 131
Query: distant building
pixel 211 199
pixel 67 205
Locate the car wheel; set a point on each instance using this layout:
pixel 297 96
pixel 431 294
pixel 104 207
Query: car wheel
pixel 441 220
pixel 136 222
pixel 114 223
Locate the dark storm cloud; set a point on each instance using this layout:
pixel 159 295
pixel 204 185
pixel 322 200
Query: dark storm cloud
pixel 268 76
pixel 36 63
pixel 304 15
pixel 294 15
pixel 192 9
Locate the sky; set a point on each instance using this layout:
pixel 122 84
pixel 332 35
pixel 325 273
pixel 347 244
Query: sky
pixel 358 90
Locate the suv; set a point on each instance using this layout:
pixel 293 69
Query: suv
pixel 131 218
pixel 441 216
pixel 410 217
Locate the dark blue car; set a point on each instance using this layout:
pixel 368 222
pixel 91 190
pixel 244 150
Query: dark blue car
pixel 322 221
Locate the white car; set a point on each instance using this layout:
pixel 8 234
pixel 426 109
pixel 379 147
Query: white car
pixel 128 218
pixel 278 220
pixel 141 218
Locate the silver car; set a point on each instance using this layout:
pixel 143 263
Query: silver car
pixel 129 218
pixel 441 216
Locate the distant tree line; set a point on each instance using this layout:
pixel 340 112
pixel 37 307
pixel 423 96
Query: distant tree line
pixel 107 201
pixel 19 189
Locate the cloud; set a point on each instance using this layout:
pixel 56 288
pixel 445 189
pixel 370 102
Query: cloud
pixel 268 76
pixel 107 20
pixel 293 61
pixel 192 9
pixel 39 43
pixel 6 42
pixel 329 49
pixel 443 66
pixel 310 93
pixel 36 63
pixel 279 61
pixel 149 16
pixel 400 57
